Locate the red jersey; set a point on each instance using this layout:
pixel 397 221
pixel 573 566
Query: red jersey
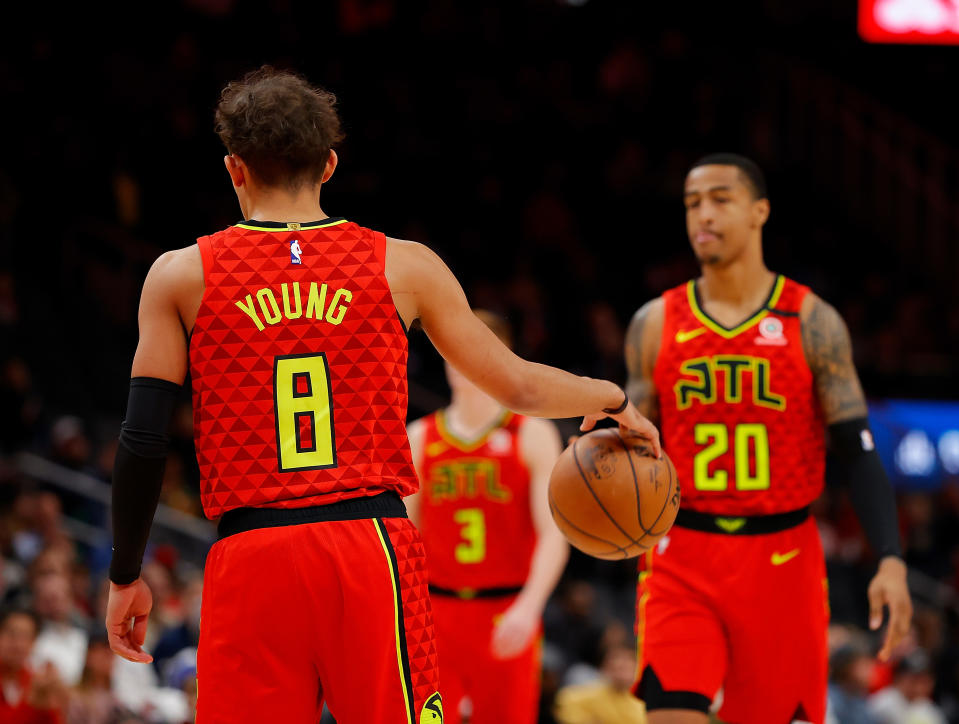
pixel 298 360
pixel 475 511
pixel 739 411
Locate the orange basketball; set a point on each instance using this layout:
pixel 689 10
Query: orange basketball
pixel 610 497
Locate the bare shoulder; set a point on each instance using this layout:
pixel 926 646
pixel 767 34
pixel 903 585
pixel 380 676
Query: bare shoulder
pixel 176 281
pixel 643 337
pixel 404 256
pixel 416 427
pixel 828 350
pixel 646 326
pixel 178 267
pixel 825 336
pixel 642 348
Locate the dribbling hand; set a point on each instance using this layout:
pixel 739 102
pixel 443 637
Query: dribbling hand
pixel 630 421
pixel 127 610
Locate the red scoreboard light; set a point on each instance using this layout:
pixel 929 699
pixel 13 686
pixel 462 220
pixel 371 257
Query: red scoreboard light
pixel 909 21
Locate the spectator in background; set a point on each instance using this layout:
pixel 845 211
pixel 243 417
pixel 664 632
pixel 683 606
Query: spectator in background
pixel 92 701
pixel 909 697
pixel 61 642
pixel 26 697
pixel 607 701
pixel 850 668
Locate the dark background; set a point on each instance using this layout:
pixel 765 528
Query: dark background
pixel 540 147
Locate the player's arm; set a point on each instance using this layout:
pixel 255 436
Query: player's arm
pixel 159 368
pixel 423 287
pixel 416 432
pixel 643 339
pixel 828 350
pixel 540 446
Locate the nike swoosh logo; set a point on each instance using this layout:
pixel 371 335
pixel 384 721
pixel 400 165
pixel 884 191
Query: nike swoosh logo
pixel 684 335
pixel 777 559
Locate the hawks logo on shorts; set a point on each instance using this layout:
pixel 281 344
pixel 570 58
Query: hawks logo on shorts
pixel 432 711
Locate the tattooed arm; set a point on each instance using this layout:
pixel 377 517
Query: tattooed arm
pixel 642 348
pixel 828 351
pixel 829 354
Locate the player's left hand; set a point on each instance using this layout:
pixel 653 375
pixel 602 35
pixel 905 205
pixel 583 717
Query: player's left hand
pixel 127 610
pixel 515 629
pixel 889 588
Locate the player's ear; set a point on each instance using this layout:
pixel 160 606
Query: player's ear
pixel 330 166
pixel 760 212
pixel 235 168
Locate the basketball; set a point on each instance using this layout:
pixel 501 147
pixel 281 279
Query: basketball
pixel 610 497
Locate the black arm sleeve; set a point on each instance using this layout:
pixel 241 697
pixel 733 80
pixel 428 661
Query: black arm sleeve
pixel 138 472
pixel 869 489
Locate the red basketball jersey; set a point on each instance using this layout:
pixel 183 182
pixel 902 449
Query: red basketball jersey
pixel 475 511
pixel 298 360
pixel 739 411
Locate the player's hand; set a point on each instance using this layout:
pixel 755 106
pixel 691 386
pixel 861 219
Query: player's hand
pixel 127 610
pixel 515 629
pixel 889 588
pixel 630 423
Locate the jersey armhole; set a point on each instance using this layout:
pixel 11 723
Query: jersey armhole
pixel 206 256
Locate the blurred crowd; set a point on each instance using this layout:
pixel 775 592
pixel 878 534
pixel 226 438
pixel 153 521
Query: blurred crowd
pixel 546 172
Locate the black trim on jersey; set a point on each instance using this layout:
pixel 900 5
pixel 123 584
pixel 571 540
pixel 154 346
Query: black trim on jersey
pixel 782 312
pixel 762 307
pixel 740 524
pixel 400 618
pixel 382 505
pixel 650 690
pixel 470 593
pixel 282 225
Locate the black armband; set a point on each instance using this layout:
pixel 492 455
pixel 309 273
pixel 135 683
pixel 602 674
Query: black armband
pixel 138 472
pixel 621 408
pixel 870 491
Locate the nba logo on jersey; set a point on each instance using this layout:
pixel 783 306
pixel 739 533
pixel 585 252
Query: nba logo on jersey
pixel 295 252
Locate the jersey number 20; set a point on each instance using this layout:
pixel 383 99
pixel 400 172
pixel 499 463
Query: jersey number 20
pixel 750 456
pixel 303 405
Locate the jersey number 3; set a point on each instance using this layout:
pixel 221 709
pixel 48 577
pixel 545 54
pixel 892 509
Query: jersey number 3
pixel 750 456
pixel 303 406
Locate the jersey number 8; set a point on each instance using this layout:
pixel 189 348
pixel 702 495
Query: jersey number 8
pixel 303 407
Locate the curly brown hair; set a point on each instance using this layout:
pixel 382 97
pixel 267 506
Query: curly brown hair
pixel 282 127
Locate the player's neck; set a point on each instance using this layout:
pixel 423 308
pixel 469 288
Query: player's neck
pixel 268 204
pixel 469 414
pixel 738 284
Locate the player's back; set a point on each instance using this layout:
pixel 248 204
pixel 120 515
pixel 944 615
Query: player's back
pixel 298 361
pixel 738 406
pixel 475 514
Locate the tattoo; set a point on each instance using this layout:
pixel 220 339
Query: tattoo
pixel 642 346
pixel 829 354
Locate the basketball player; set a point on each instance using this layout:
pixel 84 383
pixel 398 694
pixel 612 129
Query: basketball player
pixel 291 324
pixel 746 372
pixel 493 552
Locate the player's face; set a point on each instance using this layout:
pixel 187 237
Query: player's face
pixel 721 214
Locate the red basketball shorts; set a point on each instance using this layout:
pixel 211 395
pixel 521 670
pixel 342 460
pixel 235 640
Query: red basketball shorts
pixel 745 614
pixel 335 610
pixel 502 691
